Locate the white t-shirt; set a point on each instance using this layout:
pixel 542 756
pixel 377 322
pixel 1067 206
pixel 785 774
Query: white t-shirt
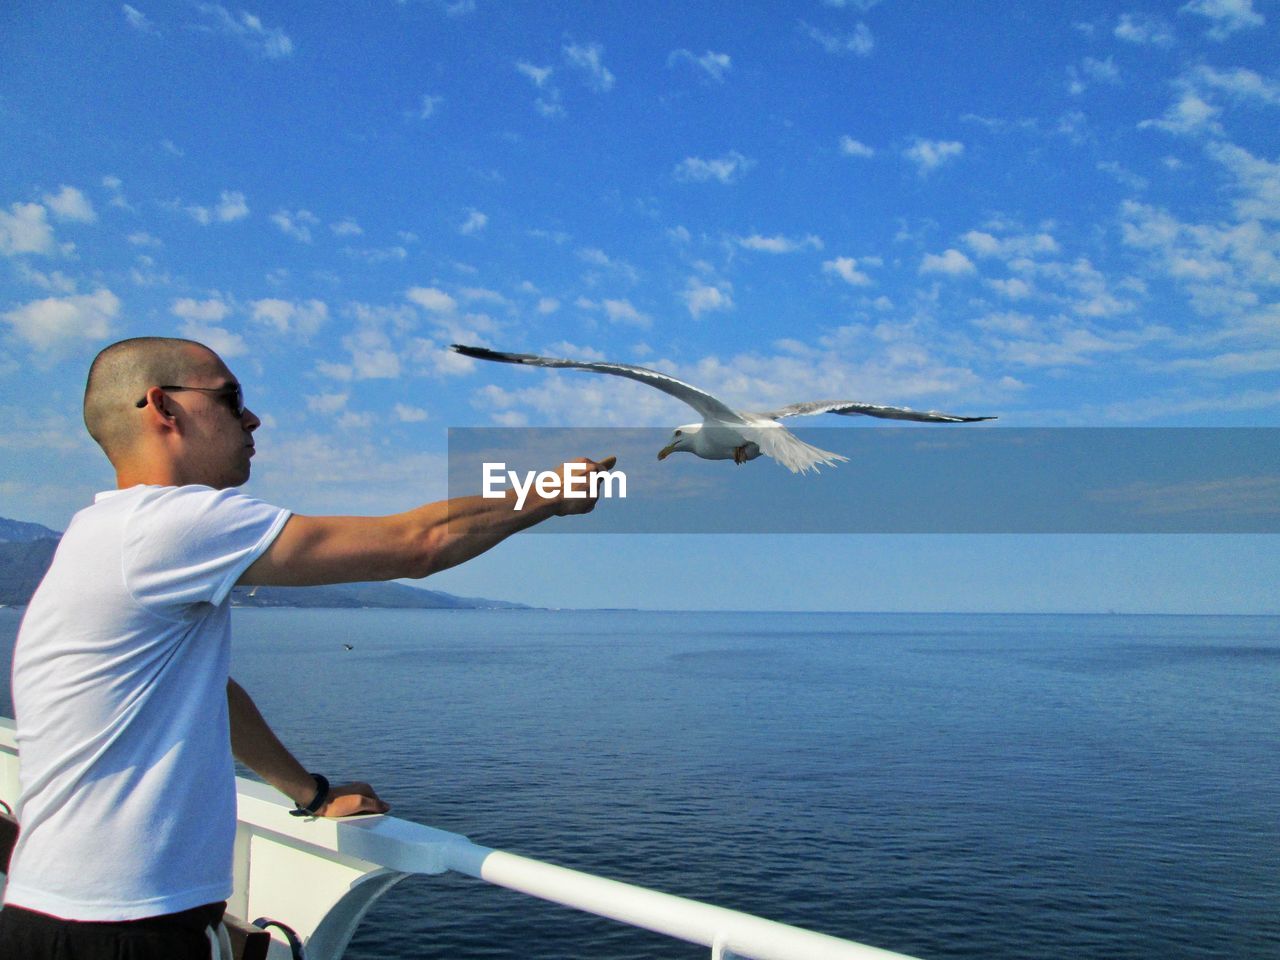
pixel 128 805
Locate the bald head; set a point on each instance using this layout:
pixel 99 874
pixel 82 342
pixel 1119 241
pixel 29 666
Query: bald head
pixel 123 372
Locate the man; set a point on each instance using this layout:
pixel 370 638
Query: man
pixel 127 719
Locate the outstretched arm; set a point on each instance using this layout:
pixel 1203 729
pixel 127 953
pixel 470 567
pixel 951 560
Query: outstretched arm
pixel 415 544
pixel 258 748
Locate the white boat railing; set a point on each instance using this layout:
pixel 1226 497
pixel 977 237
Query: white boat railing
pixel 319 877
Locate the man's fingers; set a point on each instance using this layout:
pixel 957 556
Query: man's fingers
pixel 351 799
pixel 607 463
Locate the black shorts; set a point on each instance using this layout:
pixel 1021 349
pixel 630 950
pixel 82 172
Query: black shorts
pixel 27 935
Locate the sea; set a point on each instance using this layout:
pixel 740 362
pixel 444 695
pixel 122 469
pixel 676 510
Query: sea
pixel 988 786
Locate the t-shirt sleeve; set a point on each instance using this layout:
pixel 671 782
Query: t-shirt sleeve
pixel 188 545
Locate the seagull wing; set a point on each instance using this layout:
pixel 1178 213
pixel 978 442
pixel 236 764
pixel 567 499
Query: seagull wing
pixel 781 444
pixel 710 407
pixel 850 408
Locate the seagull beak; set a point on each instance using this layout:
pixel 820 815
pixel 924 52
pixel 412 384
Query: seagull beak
pixel 666 451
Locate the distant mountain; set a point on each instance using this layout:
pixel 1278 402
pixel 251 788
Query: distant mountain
pixel 16 531
pixel 25 556
pixel 22 565
pixel 355 595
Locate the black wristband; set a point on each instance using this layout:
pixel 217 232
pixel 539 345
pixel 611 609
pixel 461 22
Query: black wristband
pixel 318 801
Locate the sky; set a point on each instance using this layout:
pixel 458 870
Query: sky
pixel 1064 215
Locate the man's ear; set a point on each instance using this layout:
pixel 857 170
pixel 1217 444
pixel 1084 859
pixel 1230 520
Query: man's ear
pixel 157 406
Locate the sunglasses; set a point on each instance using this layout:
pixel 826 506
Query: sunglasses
pixel 232 396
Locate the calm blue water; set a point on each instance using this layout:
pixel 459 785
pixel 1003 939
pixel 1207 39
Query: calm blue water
pixel 945 786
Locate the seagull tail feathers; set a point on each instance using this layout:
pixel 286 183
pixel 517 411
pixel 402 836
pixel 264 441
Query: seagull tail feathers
pixel 792 452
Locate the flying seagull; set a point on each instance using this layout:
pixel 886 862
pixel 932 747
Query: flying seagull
pixel 725 433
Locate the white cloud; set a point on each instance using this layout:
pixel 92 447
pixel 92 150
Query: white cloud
pixel 55 322
pixel 70 204
pixel 1232 363
pixel 116 186
pixel 982 243
pixel 25 229
pixel 407 414
pixel 485 295
pixel 213 310
pixel 1073 124
pixel 598 258
pixel 334 371
pixel 1014 288
pixel 701 297
pixel 327 404
pixel 382 317
pixel 1009 323
pixel 297 225
pixel 432 299
pixel 1009 247
pixel 1084 289
pixel 231 207
pixel 928 155
pixel 248 29
pixel 1258 180
pixel 1124 175
pixel 727 169
pixel 427 106
pixel 779 243
pixel 1228 16
pixel 436 359
pixel 554 236
pixel 589 58
pixel 1222 267
pixel 858 43
pixel 579 400
pixel 1143 29
pixel 540 76
pixel 855 148
pixel 375 255
pixel 623 311
pixel 475 222
pixel 952 263
pixel 715 65
pixel 346 228
pixel 547 105
pixel 218 339
pixel 138 20
pixel 373 361
pixel 1058 344
pixel 1241 83
pixel 456 8
pixel 548 305
pixel 283 316
pixel 1190 114
pixel 846 268
pixel 1091 68
pixel 145 274
pixel 55 282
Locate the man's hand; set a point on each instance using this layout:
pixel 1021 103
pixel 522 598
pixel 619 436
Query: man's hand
pixel 351 799
pixel 567 506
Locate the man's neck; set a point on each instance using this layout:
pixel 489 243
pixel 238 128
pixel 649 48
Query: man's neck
pixel 131 475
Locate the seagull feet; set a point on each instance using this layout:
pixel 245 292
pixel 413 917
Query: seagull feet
pixel 740 455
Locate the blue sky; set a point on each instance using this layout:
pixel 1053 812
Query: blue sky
pixel 1063 214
